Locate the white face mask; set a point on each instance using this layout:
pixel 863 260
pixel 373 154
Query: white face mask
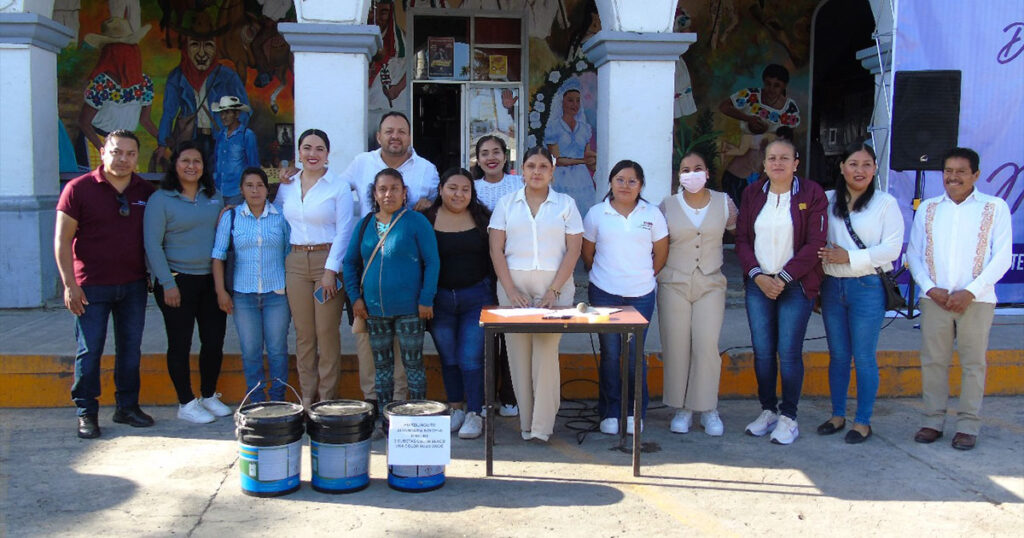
pixel 693 182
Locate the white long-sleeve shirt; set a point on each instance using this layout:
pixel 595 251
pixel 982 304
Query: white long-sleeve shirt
pixel 324 216
pixel 965 246
pixel 879 226
pixel 418 174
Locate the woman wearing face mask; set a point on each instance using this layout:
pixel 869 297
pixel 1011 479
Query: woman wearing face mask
pixel 625 243
pixel 691 296
pixel 852 297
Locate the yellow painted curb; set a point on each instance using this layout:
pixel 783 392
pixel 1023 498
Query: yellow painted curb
pixel 45 381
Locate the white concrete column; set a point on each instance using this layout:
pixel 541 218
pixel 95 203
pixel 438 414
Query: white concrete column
pixel 29 179
pixel 331 82
pixel 636 85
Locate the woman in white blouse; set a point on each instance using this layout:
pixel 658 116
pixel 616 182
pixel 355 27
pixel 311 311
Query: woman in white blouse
pixel 852 296
pixel 318 206
pixel 691 296
pixel 535 237
pixel 625 243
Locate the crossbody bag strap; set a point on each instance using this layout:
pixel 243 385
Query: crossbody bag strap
pixel 380 243
pixel 856 239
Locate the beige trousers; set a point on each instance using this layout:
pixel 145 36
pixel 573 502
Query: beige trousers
pixel 533 358
pixel 316 327
pixel 367 371
pixel 691 315
pixel 939 328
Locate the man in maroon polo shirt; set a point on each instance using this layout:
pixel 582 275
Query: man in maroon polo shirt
pixel 99 250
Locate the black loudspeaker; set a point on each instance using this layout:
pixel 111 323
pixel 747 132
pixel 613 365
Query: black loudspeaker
pixel 925 118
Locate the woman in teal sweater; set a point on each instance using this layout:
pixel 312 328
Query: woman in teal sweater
pixel 391 270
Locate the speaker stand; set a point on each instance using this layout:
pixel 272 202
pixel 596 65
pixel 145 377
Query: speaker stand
pixel 912 287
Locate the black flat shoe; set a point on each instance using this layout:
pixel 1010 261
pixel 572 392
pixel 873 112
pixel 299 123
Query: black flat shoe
pixel 854 437
pixel 827 428
pixel 88 427
pixel 133 417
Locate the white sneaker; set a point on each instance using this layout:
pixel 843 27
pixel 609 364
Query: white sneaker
pixel 472 427
pixel 526 435
pixel 195 412
pixel 610 426
pixel 681 422
pixel 629 426
pixel 508 410
pixel 712 423
pixel 458 417
pixel 764 423
pixel 786 431
pixel 215 406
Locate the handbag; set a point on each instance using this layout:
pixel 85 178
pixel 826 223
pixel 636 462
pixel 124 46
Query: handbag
pixel 229 259
pixel 893 298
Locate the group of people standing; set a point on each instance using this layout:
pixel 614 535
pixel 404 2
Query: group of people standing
pixel 427 253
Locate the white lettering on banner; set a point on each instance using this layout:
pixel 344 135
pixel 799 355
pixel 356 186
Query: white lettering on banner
pixel 419 440
pixel 1017 262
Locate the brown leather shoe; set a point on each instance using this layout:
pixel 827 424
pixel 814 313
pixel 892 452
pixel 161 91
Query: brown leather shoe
pixel 964 441
pixel 927 435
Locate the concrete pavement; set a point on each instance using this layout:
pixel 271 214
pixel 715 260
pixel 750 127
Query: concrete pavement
pixel 181 479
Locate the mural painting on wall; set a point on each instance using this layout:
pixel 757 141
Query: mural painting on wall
pixel 750 77
pixel 175 70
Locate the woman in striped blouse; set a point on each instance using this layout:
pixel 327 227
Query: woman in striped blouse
pixel 258 234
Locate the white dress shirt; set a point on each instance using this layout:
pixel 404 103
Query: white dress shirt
pixel 420 177
pixel 773 234
pixel 696 216
pixel 623 261
pixel 965 246
pixel 324 216
pixel 879 225
pixel 536 243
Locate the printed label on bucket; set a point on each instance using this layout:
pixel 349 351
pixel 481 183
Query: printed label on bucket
pixel 272 468
pixel 411 471
pixel 340 461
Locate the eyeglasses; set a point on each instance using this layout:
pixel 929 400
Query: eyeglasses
pixel 632 183
pixel 125 209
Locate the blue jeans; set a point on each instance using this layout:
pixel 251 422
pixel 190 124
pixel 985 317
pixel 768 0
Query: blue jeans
pixel 262 319
pixel 609 395
pixel 127 303
pixel 459 340
pixel 778 327
pixel 853 310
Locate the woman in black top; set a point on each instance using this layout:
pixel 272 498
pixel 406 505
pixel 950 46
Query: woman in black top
pixel 464 287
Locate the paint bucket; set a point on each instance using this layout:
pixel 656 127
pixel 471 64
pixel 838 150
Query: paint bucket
pixel 414 478
pixel 339 445
pixel 269 446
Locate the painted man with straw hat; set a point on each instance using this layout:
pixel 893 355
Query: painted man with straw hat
pixel 193 87
pixel 118 95
pixel 236 148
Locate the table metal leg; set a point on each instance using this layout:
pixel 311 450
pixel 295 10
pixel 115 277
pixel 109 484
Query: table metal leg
pixel 624 384
pixel 638 372
pixel 490 353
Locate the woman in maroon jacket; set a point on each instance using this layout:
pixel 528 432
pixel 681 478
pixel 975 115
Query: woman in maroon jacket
pixel 781 225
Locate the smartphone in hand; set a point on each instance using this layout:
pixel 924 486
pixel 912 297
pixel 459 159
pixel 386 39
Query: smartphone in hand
pixel 318 293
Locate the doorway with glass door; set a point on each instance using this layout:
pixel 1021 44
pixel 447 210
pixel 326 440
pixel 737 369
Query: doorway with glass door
pixel 467 77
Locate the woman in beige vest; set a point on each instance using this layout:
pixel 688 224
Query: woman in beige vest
pixel 691 296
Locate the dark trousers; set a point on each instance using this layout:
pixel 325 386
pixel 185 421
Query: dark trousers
pixel 198 305
pixel 127 304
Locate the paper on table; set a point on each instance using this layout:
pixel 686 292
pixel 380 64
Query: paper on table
pixel 599 310
pixel 515 312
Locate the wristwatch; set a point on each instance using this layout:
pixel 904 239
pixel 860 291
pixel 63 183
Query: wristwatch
pixel 557 293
